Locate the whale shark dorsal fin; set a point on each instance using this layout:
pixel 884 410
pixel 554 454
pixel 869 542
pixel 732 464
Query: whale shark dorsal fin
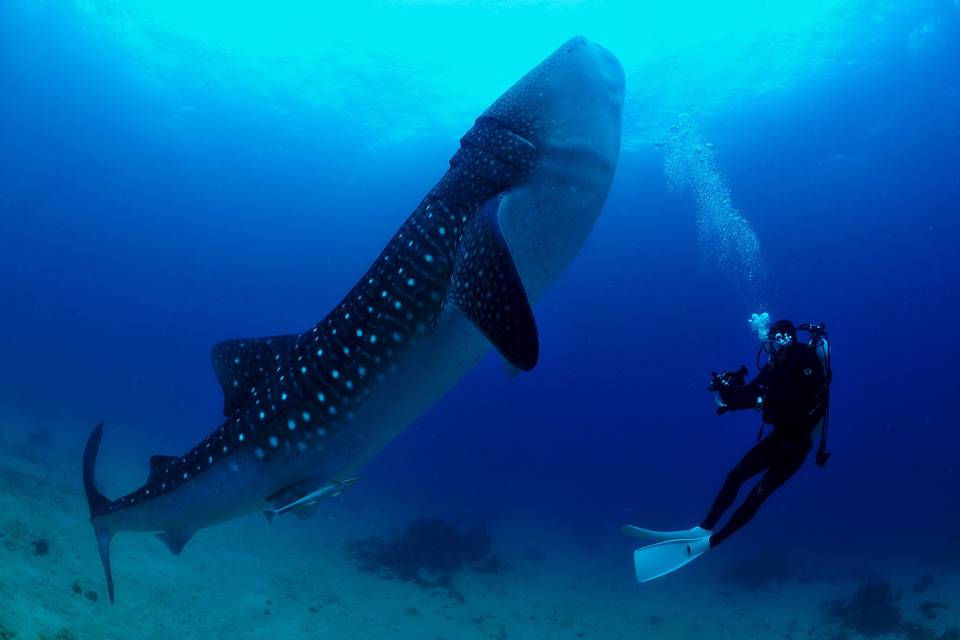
pixel 158 464
pixel 487 289
pixel 175 539
pixel 240 365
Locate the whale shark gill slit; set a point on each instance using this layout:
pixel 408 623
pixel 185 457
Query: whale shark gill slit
pixel 496 153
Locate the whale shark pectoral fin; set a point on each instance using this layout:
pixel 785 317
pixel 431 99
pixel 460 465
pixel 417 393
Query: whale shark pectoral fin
pixel 487 289
pixel 175 539
pixel 241 364
pixel 287 496
pixel 302 511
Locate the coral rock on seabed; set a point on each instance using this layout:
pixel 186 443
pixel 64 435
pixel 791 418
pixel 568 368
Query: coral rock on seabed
pixel 873 611
pixel 41 547
pixel 428 553
pixel 929 609
pixel 924 583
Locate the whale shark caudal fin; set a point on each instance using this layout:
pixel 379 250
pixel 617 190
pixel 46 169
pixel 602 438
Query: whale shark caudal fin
pixel 487 289
pixel 240 365
pixel 97 501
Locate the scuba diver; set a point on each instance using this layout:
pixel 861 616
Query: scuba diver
pixel 792 392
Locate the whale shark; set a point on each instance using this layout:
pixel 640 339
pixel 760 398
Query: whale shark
pixel 304 412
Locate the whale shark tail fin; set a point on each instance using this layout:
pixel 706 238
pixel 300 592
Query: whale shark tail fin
pixel 97 501
pixel 104 536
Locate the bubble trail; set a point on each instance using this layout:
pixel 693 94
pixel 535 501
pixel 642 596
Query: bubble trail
pixel 725 236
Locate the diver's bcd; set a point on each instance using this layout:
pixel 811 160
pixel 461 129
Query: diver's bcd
pixel 808 391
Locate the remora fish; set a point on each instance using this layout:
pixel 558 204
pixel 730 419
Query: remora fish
pixel 513 209
pixel 304 506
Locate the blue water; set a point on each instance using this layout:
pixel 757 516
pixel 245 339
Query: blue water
pixel 168 181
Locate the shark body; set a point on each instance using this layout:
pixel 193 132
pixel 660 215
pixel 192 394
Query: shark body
pixel 304 412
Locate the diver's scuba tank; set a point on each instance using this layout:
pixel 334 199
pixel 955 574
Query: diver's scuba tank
pixel 821 342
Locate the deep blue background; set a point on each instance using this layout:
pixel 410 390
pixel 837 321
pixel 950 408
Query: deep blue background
pixel 125 253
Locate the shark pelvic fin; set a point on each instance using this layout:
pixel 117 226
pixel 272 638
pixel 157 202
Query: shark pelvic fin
pixel 487 289
pixel 175 539
pixel 240 365
pixel 97 502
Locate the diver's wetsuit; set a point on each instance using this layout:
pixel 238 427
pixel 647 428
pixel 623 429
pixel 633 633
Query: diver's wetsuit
pixel 794 391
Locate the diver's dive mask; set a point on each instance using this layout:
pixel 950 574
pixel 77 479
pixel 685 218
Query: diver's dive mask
pixel 780 341
pixel 780 336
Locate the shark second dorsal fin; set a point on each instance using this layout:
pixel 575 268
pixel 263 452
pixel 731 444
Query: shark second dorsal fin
pixel 240 365
pixel 487 289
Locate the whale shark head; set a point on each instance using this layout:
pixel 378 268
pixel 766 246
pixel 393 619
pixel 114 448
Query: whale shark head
pixel 577 89
pixel 569 109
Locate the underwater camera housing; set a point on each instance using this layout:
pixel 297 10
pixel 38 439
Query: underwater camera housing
pixel 727 378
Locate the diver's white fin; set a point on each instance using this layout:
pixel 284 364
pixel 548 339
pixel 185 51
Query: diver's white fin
pixel 659 559
pixel 650 534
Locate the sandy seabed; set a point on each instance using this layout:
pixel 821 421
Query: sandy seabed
pixel 248 579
